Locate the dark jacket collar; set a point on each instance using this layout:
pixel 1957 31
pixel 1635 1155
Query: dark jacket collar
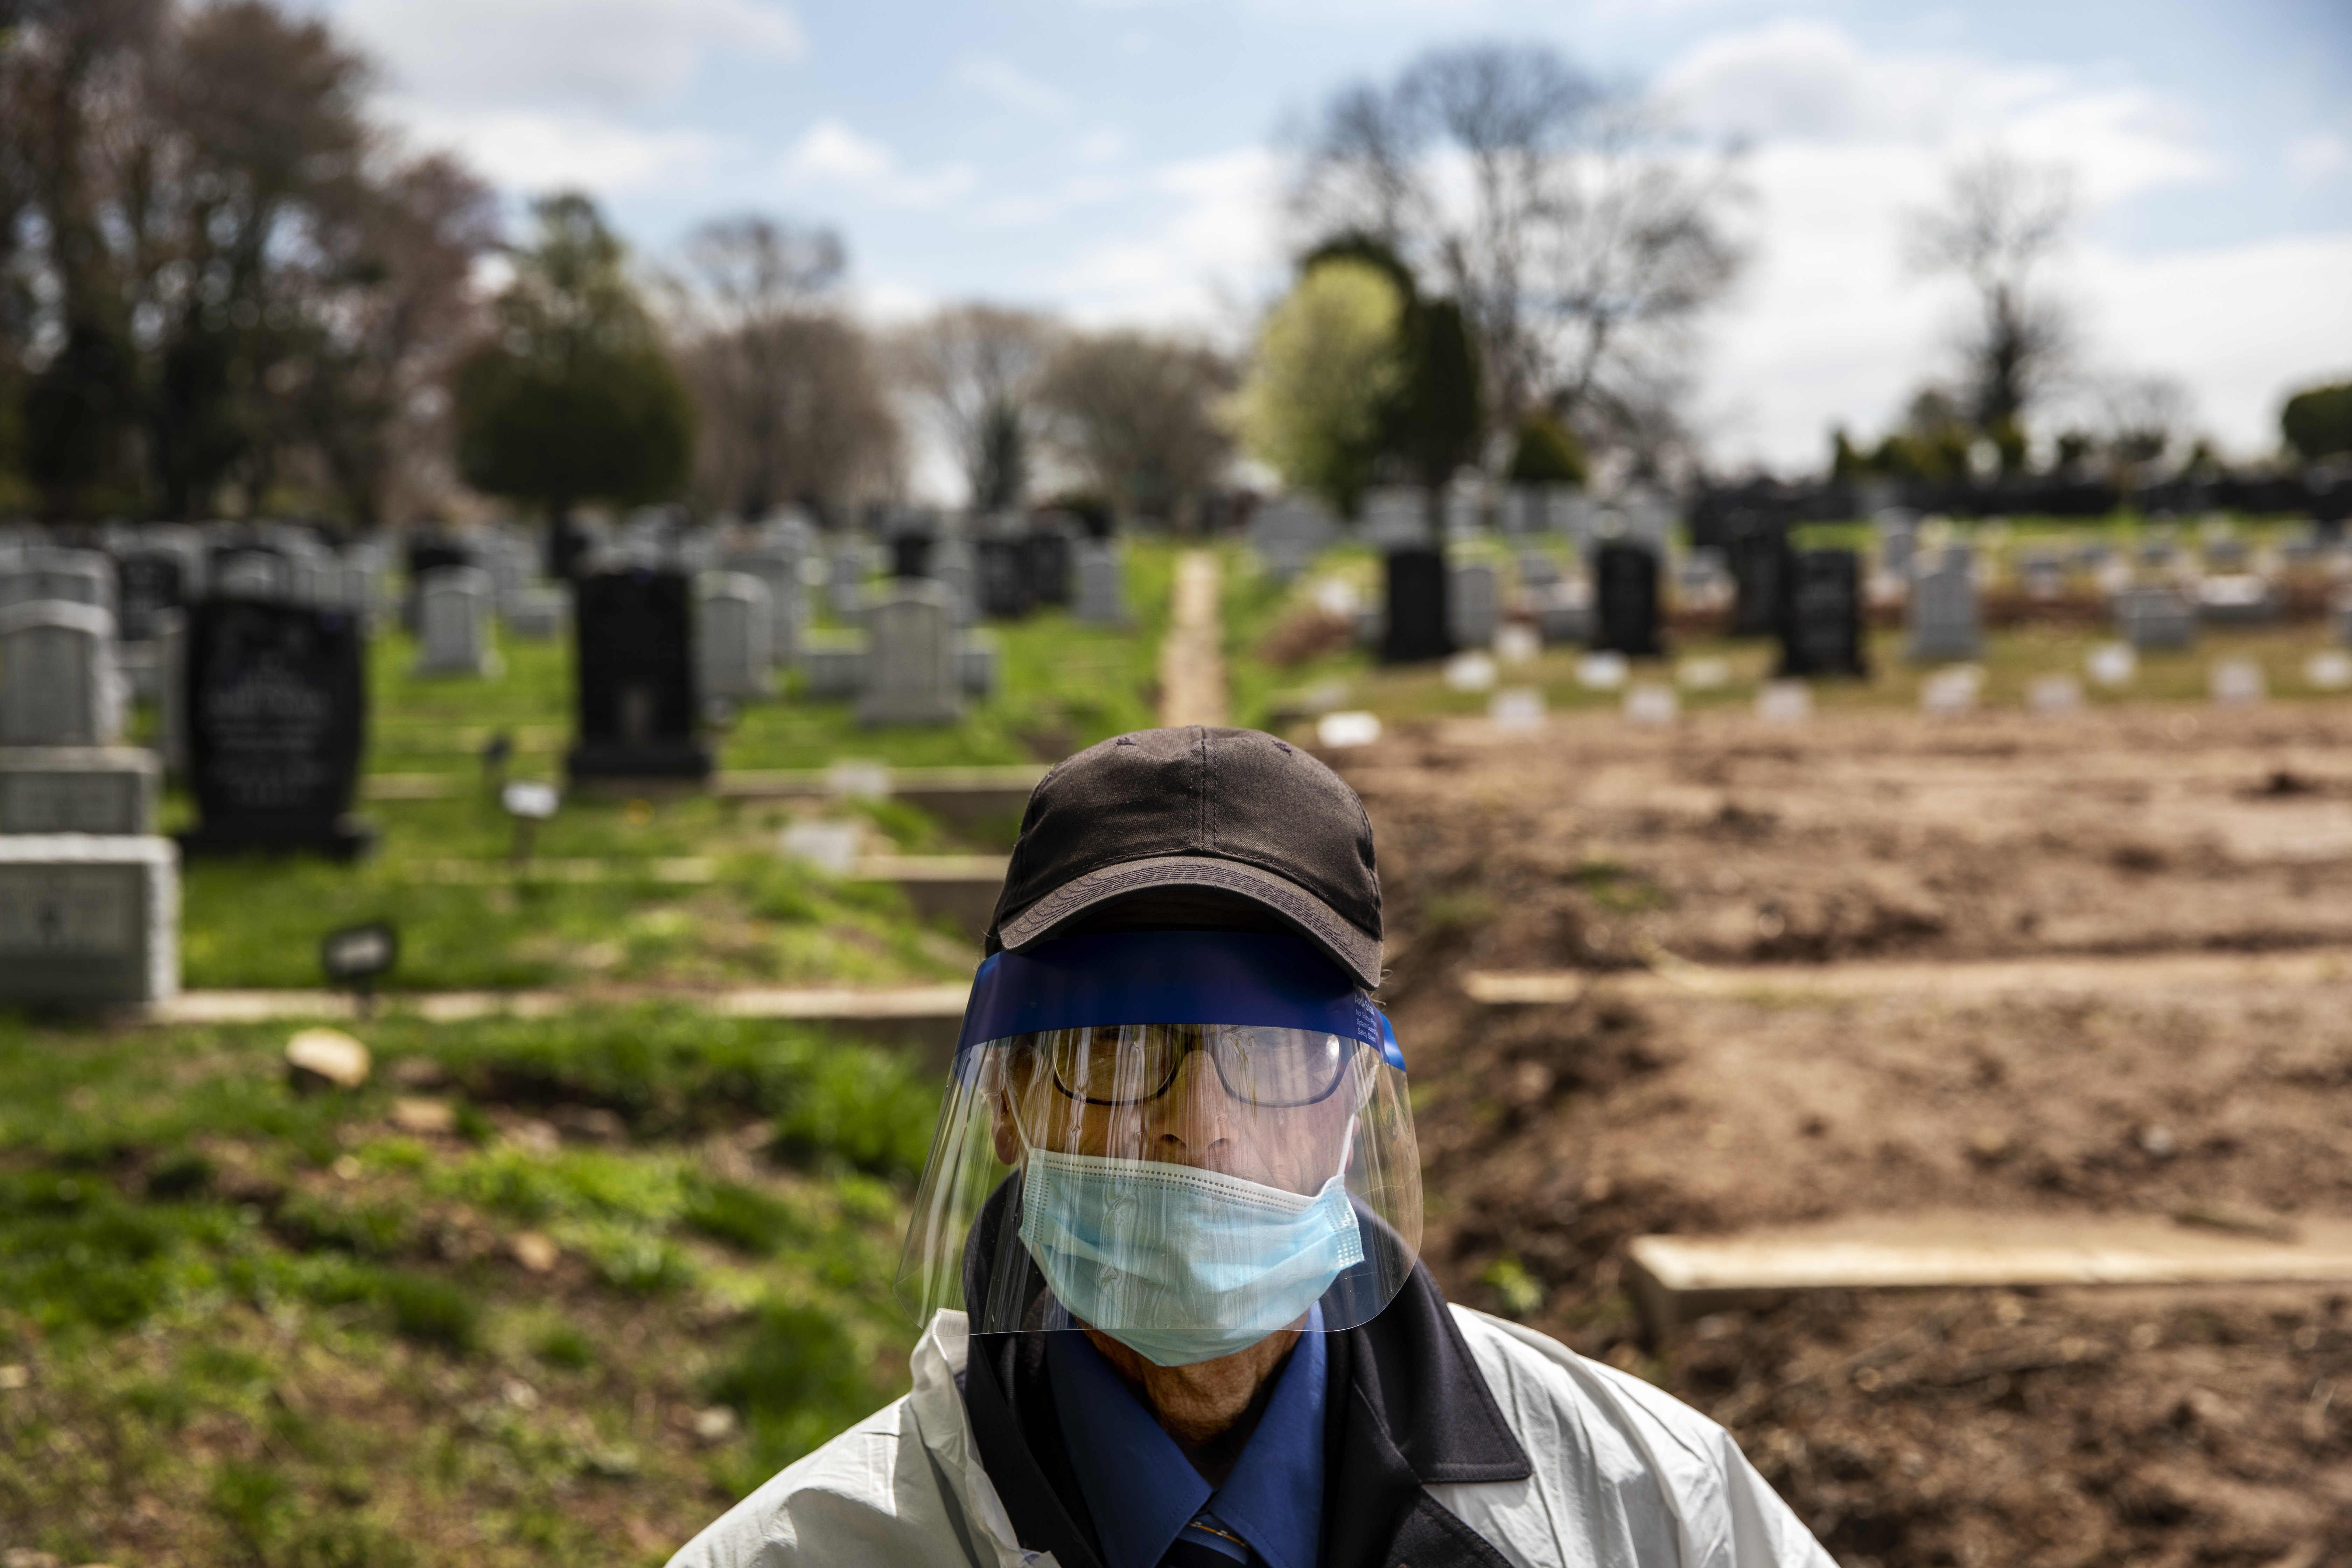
pixel 1407 1409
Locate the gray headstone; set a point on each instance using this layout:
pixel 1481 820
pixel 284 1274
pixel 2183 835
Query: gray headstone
pixel 833 664
pixel 1395 517
pixel 537 614
pixel 731 637
pixel 853 562
pixel 951 568
pixel 77 789
pixel 68 576
pixel 1289 532
pixel 1465 511
pixel 89 919
pixel 171 691
pixel 1898 541
pixel 978 658
pixel 1102 591
pixel 1569 512
pixel 2237 599
pixel 1475 602
pixel 778 565
pixel 1563 611
pixel 1945 623
pixel 2154 618
pixel 58 684
pixel 910 656
pixel 453 623
pixel 1521 512
pixel 1537 570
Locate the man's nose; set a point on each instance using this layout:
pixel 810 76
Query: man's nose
pixel 1196 1126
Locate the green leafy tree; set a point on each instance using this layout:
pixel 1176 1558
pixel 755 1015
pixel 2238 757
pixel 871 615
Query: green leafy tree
pixel 2317 423
pixel 1548 453
pixel 1319 390
pixel 575 398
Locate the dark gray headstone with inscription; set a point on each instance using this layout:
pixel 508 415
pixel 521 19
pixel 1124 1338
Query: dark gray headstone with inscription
pixel 276 710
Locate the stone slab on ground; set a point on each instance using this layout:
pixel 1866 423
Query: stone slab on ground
pixel 89 919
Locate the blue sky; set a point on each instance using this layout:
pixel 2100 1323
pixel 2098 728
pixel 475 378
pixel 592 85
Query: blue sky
pixel 1118 160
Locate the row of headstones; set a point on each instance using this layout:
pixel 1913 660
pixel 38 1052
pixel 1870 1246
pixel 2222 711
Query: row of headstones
pixel 1289 532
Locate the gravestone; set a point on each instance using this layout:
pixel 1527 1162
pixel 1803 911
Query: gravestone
pixel 1475 609
pixel 1822 633
pixel 1521 512
pixel 453 623
pixel 1537 570
pixel 1001 578
pixel 777 565
pixel 1102 591
pixel 1289 532
pixel 1396 517
pixel 1898 541
pixel 832 664
pixel 731 637
pixel 1413 629
pixel 851 564
pixel 1571 513
pixel 2237 599
pixel 951 569
pixel 537 614
pixel 247 572
pixel 1760 571
pixel 77 789
pixel 1465 508
pixel 2150 618
pixel 910 555
pixel 58 684
pixel 910 658
pixel 45 572
pixel 636 706
pixel 1944 621
pixel 979 657
pixel 148 582
pixel 89 919
pixel 426 554
pixel 276 708
pixel 1625 601
pixel 1563 611
pixel 1048 556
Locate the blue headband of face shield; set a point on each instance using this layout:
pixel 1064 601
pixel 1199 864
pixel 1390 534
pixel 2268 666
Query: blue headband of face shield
pixel 1253 978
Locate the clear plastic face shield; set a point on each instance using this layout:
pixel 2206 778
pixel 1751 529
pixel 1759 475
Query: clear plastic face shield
pixel 1188 1139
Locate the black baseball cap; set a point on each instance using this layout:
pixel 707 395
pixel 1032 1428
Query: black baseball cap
pixel 1233 813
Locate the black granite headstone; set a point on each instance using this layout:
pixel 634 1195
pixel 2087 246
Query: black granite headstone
pixel 1822 634
pixel 277 714
pixel 999 566
pixel 1417 632
pixel 1045 564
pixel 147 584
pixel 910 555
pixel 1625 601
pixel 1758 558
pixel 633 636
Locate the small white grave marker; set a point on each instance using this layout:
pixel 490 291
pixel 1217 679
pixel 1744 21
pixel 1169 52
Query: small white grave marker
pixel 832 847
pixel 1601 671
pixel 857 778
pixel 2054 696
pixel 1335 731
pixel 1950 692
pixel 1517 644
pixel 2329 671
pixel 1784 702
pixel 2112 664
pixel 1470 672
pixel 1521 707
pixel 1704 674
pixel 1652 704
pixel 2236 682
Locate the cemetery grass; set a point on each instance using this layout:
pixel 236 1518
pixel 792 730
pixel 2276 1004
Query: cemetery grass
pixel 536 1292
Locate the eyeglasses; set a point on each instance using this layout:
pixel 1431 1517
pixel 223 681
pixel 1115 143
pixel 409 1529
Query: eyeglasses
pixel 1132 1063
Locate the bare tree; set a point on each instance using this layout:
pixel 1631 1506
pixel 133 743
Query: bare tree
pixel 975 368
pixel 1580 237
pixel 2001 219
pixel 1138 415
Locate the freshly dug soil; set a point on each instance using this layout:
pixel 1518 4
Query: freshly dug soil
pixel 2061 1427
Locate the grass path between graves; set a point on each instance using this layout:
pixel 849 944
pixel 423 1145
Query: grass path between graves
pixel 540 1291
pixel 1192 663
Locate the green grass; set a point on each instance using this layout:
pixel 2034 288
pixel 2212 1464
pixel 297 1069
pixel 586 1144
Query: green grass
pixel 258 1326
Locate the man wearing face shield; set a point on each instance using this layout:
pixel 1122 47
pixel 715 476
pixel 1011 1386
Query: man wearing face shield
pixel 1165 1249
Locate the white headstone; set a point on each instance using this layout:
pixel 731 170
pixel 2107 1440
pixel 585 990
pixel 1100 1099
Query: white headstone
pixel 910 656
pixel 2153 617
pixel 1945 623
pixel 1102 594
pixel 67 576
pixel 778 565
pixel 730 636
pixel 2237 599
pixel 1396 517
pixel 1472 671
pixel 88 919
pixel 1473 603
pixel 453 623
pixel 58 684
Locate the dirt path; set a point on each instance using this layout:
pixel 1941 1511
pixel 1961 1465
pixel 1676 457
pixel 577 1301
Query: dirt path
pixel 1192 664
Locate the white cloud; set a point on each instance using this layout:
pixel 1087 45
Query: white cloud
pixel 2322 155
pixel 1104 146
pixel 848 166
pixel 1200 228
pixel 531 153
pixel 613 56
pixel 1009 85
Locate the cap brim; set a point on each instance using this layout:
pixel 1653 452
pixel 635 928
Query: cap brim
pixel 1358 954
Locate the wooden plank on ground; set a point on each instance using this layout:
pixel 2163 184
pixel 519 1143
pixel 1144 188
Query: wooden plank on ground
pixel 1678 1278
pixel 1966 978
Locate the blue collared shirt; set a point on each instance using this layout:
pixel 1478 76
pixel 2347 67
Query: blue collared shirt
pixel 1142 1491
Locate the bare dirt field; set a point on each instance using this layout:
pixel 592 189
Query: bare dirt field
pixel 2068 972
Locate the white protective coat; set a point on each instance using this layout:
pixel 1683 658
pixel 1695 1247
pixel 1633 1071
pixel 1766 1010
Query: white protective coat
pixel 1625 1477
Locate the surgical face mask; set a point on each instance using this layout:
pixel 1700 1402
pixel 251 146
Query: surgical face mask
pixel 1181 1265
